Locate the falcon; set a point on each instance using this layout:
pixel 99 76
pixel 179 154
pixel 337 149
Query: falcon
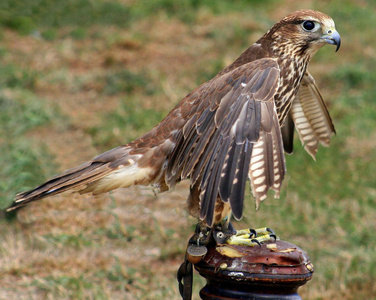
pixel 231 128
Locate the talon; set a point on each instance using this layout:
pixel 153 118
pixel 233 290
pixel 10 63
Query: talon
pixel 271 233
pixel 253 233
pixel 252 237
pixel 256 241
pixel 273 236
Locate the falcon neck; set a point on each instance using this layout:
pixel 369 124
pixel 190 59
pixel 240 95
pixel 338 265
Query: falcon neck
pixel 292 71
pixel 293 60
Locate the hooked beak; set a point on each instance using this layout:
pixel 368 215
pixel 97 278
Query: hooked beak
pixel 332 37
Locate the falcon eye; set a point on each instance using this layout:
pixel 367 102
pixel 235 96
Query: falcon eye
pixel 309 25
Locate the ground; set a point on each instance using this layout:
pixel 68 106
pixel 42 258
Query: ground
pixel 72 90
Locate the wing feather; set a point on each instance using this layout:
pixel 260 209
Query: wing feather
pixel 239 182
pixel 268 165
pixel 311 117
pixel 288 134
pixel 238 109
pixel 210 183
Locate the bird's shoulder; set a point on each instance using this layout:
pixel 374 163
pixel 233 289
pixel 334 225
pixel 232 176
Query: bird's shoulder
pixel 250 78
pixel 258 78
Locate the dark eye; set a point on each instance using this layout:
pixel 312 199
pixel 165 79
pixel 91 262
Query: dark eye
pixel 308 25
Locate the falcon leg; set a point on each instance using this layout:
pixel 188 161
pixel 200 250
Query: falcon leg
pixel 229 229
pixel 251 237
pixel 223 231
pixel 201 236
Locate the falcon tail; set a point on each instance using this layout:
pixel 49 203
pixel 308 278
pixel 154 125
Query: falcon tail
pixel 113 169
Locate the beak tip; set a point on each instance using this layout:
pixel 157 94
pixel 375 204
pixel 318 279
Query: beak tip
pixel 336 40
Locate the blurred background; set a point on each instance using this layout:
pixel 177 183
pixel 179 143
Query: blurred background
pixel 79 77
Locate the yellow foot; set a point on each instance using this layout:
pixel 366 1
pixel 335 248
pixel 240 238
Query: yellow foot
pixel 251 237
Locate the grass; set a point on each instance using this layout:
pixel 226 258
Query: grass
pixel 75 83
pixel 40 14
pixel 22 161
pixel 45 15
pixel 128 120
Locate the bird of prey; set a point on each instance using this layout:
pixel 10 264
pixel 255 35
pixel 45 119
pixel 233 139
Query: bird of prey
pixel 233 127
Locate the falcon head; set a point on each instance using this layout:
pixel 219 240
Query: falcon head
pixel 303 33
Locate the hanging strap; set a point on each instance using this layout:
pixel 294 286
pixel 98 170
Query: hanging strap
pixel 185 279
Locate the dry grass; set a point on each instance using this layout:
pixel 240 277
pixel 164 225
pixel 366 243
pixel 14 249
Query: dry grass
pixel 128 244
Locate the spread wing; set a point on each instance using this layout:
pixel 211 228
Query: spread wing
pixel 233 133
pixel 311 118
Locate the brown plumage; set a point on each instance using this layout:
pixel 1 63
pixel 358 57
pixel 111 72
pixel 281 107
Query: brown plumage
pixel 226 130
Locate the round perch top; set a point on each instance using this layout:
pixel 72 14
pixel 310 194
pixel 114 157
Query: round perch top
pixel 276 265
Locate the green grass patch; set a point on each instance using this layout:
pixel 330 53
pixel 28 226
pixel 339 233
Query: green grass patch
pixel 28 16
pixel 355 107
pixel 20 113
pixel 23 164
pixel 126 81
pixel 22 161
pixel 186 10
pixel 208 71
pixel 129 120
pixel 15 77
pixel 65 286
pixel 356 15
pixel 78 241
